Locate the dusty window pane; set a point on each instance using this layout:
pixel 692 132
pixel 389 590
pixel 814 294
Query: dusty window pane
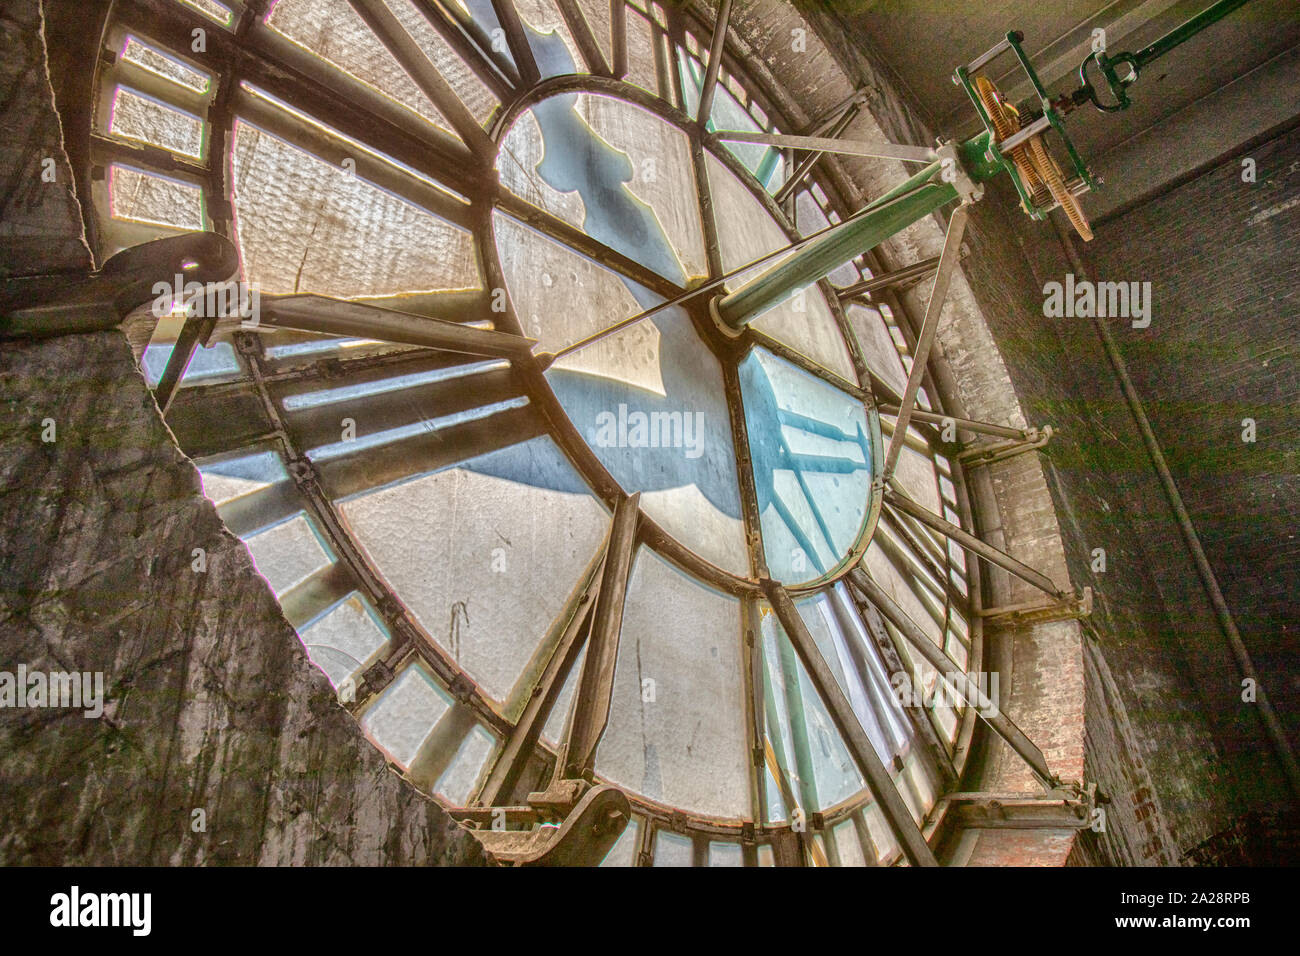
pixel 816 761
pixel 478 99
pixel 878 348
pixel 306 225
pixel 623 853
pixel 287 554
pixel 848 844
pixel 157 200
pixel 402 719
pixel 676 729
pixel 597 15
pixel 641 53
pixel 226 479
pixel 746 232
pixel 332 30
pixel 811 449
pixel 345 640
pixel 673 849
pixel 457 782
pixel 142 118
pixel 725 854
pixel 165 65
pixel 211 9
pixel 484 554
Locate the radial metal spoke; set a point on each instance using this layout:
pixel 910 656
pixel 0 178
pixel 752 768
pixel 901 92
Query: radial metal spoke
pixel 618 37
pixel 715 62
pixel 595 688
pixel 955 676
pixel 317 313
pixel 881 784
pixel 472 45
pixel 973 544
pixel 385 25
pixel 920 358
pixel 583 37
pixel 521 50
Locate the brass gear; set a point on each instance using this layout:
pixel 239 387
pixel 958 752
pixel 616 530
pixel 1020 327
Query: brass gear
pixel 1034 164
pixel 1006 122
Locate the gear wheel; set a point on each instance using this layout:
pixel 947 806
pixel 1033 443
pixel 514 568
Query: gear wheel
pixel 1037 170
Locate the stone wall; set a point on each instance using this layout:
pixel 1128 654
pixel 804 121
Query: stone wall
pixel 219 741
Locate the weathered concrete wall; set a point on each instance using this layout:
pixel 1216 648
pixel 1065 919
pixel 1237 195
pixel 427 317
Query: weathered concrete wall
pixel 210 701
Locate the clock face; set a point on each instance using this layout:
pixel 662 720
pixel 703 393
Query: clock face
pixel 439 519
pixel 670 408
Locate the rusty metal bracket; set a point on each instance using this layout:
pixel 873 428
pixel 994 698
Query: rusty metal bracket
pixel 1035 438
pixel 1069 807
pixel 583 838
pixel 49 305
pixel 1071 607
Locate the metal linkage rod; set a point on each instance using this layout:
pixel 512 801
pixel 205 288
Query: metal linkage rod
pixel 848 147
pixel 881 784
pixel 316 313
pixel 715 62
pixel 988 710
pixel 921 357
pixel 916 271
pixel 834 131
pixel 973 544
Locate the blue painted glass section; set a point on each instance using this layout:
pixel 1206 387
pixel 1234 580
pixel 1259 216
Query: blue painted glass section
pixel 811 448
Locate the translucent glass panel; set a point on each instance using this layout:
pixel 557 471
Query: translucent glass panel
pixel 616 171
pixel 641 41
pixel 673 849
pixel 878 348
pixel 215 361
pixel 811 449
pixel 469 89
pixel 764 162
pixel 649 400
pixel 623 852
pixel 213 10
pixel 307 225
pixel 402 718
pixel 676 731
pixel 227 479
pixel 345 640
pixel 745 233
pixel 808 749
pixel 148 120
pixel 485 553
pixel 548 35
pixel 164 64
pixel 457 782
pixel 288 553
pixel 726 854
pixel 335 33
pixel 845 645
pixel 141 196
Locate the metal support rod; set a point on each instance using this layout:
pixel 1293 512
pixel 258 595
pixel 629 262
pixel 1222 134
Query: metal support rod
pixel 819 126
pixel 965 424
pixel 881 784
pixel 955 676
pixel 835 130
pixel 1024 135
pixel 193 331
pixel 583 38
pixel 715 63
pixel 848 147
pixel 596 684
pixel 973 544
pixel 1267 715
pixel 517 39
pixel 618 37
pixel 997 50
pixel 896 210
pixel 915 272
pixel 925 340
pixel 314 313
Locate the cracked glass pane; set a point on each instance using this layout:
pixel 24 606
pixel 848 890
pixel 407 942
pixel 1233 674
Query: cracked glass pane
pixel 484 553
pixel 304 224
pixel 676 728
